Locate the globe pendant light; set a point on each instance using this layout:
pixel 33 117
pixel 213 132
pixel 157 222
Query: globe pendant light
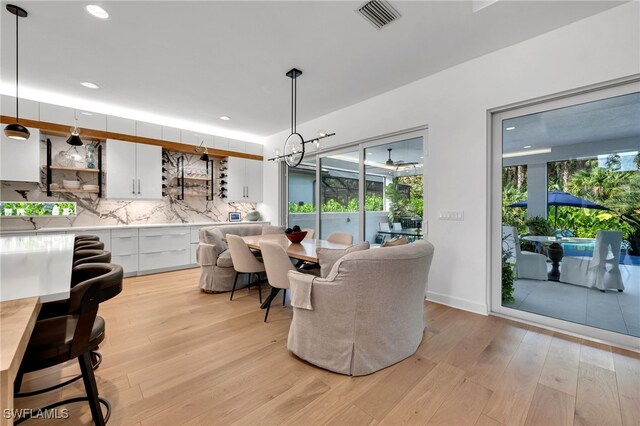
pixel 17 130
pixel 74 139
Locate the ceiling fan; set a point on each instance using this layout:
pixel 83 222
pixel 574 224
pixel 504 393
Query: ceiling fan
pixel 398 163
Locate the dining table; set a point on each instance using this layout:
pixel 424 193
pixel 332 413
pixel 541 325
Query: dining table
pixel 34 269
pixel 305 250
pixel 554 250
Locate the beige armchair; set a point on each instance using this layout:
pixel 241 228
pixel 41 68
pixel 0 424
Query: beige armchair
pixel 367 314
pixel 213 255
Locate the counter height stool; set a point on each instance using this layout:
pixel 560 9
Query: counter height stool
pixel 73 335
pixel 244 262
pixel 88 245
pixel 91 256
pixel 86 238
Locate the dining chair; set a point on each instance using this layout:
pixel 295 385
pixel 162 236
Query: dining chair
pixel 86 238
pixel 73 336
pixel 384 227
pixel 528 265
pixel 244 262
pixel 397 226
pixel 310 233
pixel 340 238
pixel 277 265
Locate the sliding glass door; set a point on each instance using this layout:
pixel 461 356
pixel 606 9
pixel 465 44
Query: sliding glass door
pixel 567 247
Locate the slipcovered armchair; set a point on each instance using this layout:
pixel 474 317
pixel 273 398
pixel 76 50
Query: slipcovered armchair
pixel 528 265
pixel 600 271
pixel 216 267
pixel 367 314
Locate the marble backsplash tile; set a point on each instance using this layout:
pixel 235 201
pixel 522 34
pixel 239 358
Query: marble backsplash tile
pixel 101 211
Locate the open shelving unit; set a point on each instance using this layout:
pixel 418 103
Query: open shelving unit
pixel 207 181
pixel 51 168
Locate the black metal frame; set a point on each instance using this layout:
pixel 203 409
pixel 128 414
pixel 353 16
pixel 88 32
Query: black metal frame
pixel 251 274
pixel 50 177
pixel 180 176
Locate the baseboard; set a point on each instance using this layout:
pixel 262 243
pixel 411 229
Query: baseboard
pixel 458 303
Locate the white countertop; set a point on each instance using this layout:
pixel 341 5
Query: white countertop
pixel 36 265
pixel 106 227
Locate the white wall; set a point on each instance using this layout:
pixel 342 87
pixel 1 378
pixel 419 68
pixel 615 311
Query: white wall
pixel 454 104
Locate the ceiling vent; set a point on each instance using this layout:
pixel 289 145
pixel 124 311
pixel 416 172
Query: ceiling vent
pixel 378 12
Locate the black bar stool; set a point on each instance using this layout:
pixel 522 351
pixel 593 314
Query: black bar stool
pixel 91 256
pixel 88 245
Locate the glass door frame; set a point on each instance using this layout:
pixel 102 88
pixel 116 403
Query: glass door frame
pixel 360 146
pixel 494 228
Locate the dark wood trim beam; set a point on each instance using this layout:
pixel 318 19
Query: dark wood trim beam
pixel 62 130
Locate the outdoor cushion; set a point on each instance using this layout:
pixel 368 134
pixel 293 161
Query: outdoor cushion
pixel 224 259
pixel 328 257
pixel 398 241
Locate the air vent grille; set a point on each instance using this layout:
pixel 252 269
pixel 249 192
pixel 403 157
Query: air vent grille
pixel 379 13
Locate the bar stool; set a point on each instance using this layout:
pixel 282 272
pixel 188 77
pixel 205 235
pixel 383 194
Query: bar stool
pixel 73 335
pixel 88 245
pixel 86 238
pixel 91 256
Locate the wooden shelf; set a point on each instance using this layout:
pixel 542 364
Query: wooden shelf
pixel 87 191
pixel 195 194
pixel 74 169
pixel 204 179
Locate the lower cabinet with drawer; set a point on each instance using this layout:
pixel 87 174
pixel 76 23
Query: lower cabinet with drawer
pixel 104 235
pixel 124 249
pixel 163 248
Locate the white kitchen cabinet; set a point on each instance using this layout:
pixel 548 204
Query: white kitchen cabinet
pixel 134 171
pixel 121 125
pixel 170 134
pixel 57 114
pixel 221 143
pixel 237 146
pixel 148 130
pixel 20 160
pixel 163 248
pixel 253 148
pixel 244 180
pixel 91 120
pixel 28 109
pixel 124 249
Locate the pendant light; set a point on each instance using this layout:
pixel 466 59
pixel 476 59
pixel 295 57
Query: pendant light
pixel 294 145
pixel 74 139
pixel 205 154
pixel 17 130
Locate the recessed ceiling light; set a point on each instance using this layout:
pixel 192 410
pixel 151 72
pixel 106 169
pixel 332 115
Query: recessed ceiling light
pixel 97 11
pixel 511 128
pixel 225 118
pixel 527 146
pixel 89 84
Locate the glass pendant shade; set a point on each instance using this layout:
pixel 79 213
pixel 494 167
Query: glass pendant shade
pixel 17 131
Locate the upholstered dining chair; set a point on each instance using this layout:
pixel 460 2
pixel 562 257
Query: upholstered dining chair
pixel 74 335
pixel 528 265
pixel 340 238
pixel 277 265
pixel 91 256
pixel 602 270
pixel 88 245
pixel 244 262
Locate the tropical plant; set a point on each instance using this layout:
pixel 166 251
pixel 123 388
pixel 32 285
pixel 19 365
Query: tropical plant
pixel 508 274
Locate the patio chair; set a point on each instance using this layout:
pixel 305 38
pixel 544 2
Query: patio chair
pixel 602 270
pixel 528 265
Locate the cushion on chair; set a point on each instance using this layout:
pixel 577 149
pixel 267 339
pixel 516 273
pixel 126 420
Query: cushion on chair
pixel 328 257
pixel 224 259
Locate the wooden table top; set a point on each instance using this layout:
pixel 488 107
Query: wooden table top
pixel 17 319
pixel 303 251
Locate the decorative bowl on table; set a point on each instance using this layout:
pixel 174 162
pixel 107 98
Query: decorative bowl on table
pixel 296 237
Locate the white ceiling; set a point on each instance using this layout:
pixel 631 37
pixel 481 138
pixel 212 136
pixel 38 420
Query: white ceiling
pixel 191 62
pixel 591 122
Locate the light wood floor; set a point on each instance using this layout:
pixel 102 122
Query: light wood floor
pixel 174 355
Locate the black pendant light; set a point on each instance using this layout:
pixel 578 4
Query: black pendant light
pixel 17 130
pixel 74 139
pixel 205 153
pixel 294 145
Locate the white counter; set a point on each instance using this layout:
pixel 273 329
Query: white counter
pixel 36 265
pixel 134 226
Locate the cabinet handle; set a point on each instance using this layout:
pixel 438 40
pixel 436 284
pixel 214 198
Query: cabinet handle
pixel 165 251
pixel 133 186
pixel 138 186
